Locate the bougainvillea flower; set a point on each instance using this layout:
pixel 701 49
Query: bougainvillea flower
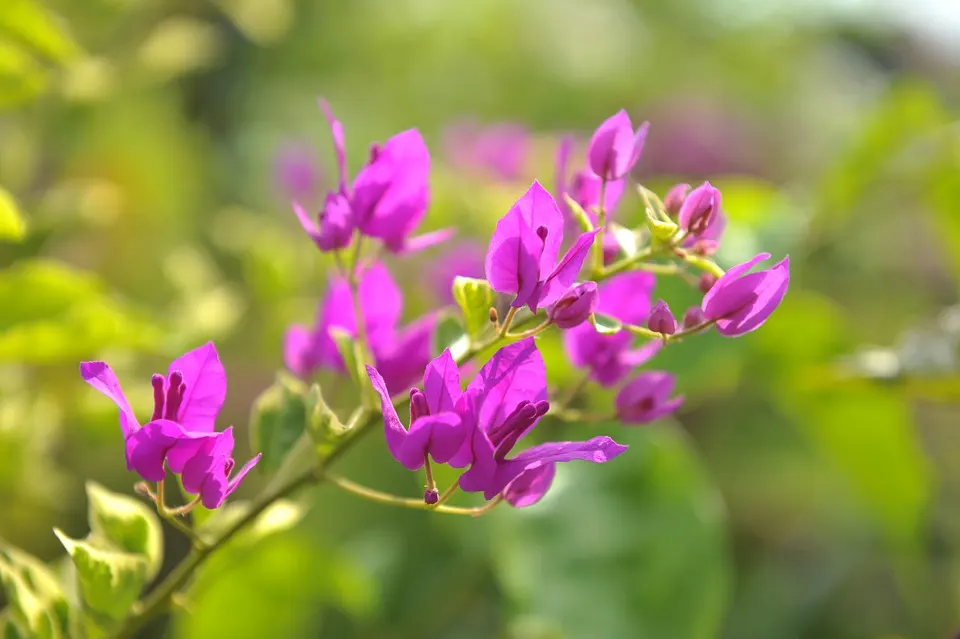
pixel 400 354
pixel 575 306
pixel 181 432
pixel 673 200
pixel 615 147
pixel 435 424
pixel 509 396
pixel 387 200
pixel 741 302
pixel 647 398
pixel 522 256
pixel 610 358
pixel 584 189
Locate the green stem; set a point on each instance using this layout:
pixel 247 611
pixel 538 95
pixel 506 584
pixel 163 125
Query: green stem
pixel 531 332
pixel 601 224
pixel 404 502
pixel 646 332
pixel 507 322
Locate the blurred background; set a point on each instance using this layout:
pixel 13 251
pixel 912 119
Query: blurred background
pixel 807 488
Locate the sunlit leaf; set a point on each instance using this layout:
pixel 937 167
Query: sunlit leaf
pixel 110 580
pixel 35 599
pixel 127 523
pixel 31 24
pixel 475 298
pixel 12 225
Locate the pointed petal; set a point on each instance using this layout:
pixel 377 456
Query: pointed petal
pixel 240 474
pixel 566 272
pixel 101 376
pixel 596 450
pixel 339 144
pixel 441 383
pixel 514 373
pixel 418 243
pixel 512 264
pixel 393 429
pixel 731 275
pixel 530 486
pixel 206 382
pixel 308 223
pixel 769 293
pixel 538 209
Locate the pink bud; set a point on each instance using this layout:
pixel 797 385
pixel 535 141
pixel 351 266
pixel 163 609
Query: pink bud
pixel 693 317
pixel 614 147
pixel 662 320
pixel 576 305
pixel 674 199
pixel 700 208
pixel 707 280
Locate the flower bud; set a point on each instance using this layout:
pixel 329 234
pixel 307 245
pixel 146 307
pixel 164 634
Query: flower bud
pixel 494 318
pixel 615 148
pixel 662 320
pixel 693 317
pixel 431 496
pixel 575 306
pixel 673 201
pixel 707 280
pixel 700 208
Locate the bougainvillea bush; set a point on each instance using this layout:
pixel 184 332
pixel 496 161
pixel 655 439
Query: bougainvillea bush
pixel 459 396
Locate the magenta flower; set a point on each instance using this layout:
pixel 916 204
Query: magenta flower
pixel 584 189
pixel 740 302
pixel 610 358
pixel 387 200
pixel 180 434
pixel 693 317
pixel 522 256
pixel 576 305
pixel 499 149
pixel 615 147
pixel 530 486
pixel 661 319
pixel 647 398
pixel 509 396
pixel 400 354
pixel 435 423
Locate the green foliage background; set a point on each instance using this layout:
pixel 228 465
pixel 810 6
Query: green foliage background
pixel 806 489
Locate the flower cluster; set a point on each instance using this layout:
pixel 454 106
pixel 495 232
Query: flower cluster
pixel 180 436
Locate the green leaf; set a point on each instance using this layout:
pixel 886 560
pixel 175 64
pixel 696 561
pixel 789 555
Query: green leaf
pixel 110 580
pixel 12 225
pixel 450 334
pixel 36 603
pixel 605 324
pixel 127 523
pixel 475 298
pixel 637 547
pixel 277 420
pixel 28 22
